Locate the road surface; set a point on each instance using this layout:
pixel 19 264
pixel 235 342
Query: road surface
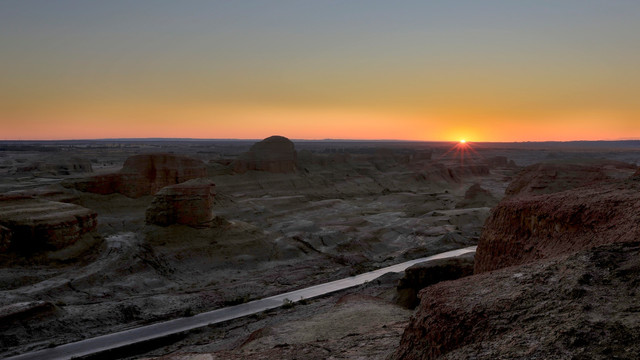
pixel 176 326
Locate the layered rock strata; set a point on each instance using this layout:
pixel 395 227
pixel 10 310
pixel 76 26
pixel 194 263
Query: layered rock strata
pixel 189 203
pixel 32 225
pixel 526 228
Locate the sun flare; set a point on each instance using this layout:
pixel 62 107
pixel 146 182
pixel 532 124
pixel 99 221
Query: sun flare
pixel 463 141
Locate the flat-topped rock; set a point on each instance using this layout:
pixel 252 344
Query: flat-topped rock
pixel 31 225
pixel 189 203
pixel 275 154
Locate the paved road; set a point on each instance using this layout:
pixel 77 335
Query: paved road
pixel 159 330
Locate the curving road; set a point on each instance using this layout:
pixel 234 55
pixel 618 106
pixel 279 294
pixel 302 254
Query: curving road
pixel 159 330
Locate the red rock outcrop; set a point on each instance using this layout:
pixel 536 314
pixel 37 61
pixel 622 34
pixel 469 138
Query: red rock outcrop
pixel 31 225
pixel 189 203
pixel 573 307
pixel 275 154
pixel 525 228
pixel 144 175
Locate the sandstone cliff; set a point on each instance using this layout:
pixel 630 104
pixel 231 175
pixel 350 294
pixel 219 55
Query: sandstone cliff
pixel 527 228
pixel 189 203
pixel 30 225
pixel 584 306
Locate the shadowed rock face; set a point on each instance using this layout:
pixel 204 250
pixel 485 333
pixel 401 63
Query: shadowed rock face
pixel 5 238
pixel 188 203
pixel 31 225
pixel 421 275
pixel 275 154
pixel 574 307
pixel 144 175
pixel 526 228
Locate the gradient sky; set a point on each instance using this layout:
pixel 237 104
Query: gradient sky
pixel 413 70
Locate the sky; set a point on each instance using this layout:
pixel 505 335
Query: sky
pixel 407 70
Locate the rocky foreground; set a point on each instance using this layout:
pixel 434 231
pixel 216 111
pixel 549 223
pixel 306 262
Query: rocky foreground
pixel 582 306
pixel 556 276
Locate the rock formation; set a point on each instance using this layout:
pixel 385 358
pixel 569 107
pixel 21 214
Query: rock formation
pixel 525 228
pixel 476 196
pixel 54 192
pixel 421 275
pixel 30 225
pixel 546 178
pixel 555 273
pixel 5 239
pixel 189 203
pixel 144 175
pixel 501 161
pixel 57 166
pixel 584 306
pixel 275 154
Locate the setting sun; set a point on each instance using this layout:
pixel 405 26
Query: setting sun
pixel 463 141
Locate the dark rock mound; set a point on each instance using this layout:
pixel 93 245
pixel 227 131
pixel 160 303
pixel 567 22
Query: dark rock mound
pixel 476 196
pixel 275 154
pixel 576 307
pixel 144 175
pixel 189 203
pixel 526 228
pixel 419 276
pixel 30 225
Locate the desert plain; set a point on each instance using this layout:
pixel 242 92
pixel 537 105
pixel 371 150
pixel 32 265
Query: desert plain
pixel 105 235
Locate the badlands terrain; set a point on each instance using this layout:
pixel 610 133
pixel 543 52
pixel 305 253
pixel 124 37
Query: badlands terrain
pixel 102 236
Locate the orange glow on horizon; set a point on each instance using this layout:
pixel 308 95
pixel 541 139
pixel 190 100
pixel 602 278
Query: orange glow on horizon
pixel 88 120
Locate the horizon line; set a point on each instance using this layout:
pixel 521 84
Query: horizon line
pixel 312 140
